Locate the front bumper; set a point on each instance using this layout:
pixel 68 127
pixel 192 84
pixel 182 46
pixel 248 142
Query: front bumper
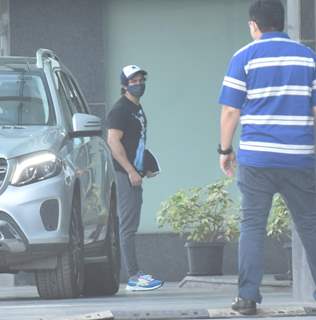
pixel 10 239
pixel 34 222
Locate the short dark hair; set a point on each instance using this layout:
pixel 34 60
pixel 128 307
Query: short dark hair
pixel 268 14
pixel 123 90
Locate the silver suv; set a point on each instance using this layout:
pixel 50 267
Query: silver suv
pixel 57 185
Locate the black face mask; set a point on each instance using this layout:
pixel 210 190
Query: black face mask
pixel 137 90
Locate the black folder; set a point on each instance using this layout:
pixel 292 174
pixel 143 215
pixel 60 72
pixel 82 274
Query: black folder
pixel 151 163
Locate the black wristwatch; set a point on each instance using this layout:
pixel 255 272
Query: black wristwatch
pixel 225 152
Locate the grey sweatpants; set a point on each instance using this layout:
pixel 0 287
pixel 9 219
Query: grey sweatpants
pixel 129 205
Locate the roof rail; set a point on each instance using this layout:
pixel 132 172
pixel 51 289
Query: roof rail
pixel 41 54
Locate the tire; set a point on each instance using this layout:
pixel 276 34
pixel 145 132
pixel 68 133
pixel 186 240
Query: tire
pixel 104 278
pixel 66 281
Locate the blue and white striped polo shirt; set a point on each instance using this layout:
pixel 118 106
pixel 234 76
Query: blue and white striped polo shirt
pixel 273 83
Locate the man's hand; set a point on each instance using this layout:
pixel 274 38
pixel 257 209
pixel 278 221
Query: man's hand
pixel 227 163
pixel 135 178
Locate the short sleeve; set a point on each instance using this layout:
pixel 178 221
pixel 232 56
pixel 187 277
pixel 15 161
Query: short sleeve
pixel 117 119
pixel 234 89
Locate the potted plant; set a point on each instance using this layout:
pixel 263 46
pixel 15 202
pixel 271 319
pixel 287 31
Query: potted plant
pixel 279 228
pixel 203 216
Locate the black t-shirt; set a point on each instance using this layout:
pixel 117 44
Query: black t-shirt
pixel 130 118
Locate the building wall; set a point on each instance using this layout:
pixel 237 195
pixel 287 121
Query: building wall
pixel 72 28
pixel 307 25
pixel 4 28
pixel 185 46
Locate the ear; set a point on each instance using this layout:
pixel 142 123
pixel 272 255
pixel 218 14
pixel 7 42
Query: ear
pixel 255 31
pixel 255 26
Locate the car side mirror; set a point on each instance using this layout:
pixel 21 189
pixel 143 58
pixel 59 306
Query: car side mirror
pixel 86 125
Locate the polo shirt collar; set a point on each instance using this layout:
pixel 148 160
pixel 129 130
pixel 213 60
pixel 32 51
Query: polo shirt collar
pixel 274 34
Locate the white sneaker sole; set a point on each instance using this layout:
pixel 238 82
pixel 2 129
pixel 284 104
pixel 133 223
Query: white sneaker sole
pixel 130 288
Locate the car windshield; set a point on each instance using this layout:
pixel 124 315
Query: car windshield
pixel 23 100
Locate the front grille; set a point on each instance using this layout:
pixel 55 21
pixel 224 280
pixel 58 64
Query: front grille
pixel 3 170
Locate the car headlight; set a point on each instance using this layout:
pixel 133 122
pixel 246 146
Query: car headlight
pixel 35 167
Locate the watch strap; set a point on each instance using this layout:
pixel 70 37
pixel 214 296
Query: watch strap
pixel 226 151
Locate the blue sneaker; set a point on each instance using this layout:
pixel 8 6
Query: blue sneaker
pixel 143 282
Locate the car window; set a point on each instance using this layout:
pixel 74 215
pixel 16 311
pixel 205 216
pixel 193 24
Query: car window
pixel 72 93
pixel 67 91
pixel 66 104
pixel 23 100
pixel 76 91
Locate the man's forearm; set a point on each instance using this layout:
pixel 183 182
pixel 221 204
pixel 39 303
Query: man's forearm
pixel 229 122
pixel 119 154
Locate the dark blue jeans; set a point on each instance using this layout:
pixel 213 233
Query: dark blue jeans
pixel 257 186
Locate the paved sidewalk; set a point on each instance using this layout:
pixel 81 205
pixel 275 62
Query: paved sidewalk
pixel 191 298
pixel 210 298
pixel 278 301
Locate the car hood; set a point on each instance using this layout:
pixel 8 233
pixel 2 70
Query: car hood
pixel 17 141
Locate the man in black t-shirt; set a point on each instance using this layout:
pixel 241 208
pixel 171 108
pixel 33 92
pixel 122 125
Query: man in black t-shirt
pixel 127 139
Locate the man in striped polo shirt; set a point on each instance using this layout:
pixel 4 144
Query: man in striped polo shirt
pixel 270 88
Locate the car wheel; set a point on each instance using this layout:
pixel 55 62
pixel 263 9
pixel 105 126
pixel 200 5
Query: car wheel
pixel 66 281
pixel 104 278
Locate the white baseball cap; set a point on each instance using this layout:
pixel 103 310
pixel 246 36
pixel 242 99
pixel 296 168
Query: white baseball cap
pixel 129 71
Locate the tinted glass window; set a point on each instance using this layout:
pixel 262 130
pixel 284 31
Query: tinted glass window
pixel 23 100
pixel 72 94
pixel 78 97
pixel 66 105
pixel 67 91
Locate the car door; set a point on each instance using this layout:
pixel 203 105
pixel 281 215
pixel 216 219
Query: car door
pixel 90 161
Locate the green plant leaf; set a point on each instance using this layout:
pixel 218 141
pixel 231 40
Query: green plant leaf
pixel 201 213
pixel 279 223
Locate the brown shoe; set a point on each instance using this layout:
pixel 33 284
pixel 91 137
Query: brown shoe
pixel 244 306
